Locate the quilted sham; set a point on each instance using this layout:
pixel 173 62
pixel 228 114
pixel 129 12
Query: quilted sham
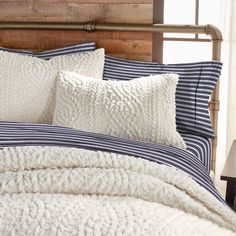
pixel 27 90
pixel 141 109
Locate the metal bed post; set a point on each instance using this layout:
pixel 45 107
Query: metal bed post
pixel 214 104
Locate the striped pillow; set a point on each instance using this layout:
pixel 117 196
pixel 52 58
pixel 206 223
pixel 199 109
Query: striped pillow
pixel 196 83
pixel 84 47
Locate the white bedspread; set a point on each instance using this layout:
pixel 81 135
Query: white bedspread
pixel 68 191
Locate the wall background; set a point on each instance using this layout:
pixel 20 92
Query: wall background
pixel 231 116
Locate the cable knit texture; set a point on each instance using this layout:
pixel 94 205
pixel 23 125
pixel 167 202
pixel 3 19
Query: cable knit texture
pixel 141 109
pixel 69 191
pixel 28 84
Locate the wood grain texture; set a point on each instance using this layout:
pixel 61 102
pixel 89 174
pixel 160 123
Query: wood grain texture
pixel 89 1
pixel 135 45
pixel 125 44
pixel 75 12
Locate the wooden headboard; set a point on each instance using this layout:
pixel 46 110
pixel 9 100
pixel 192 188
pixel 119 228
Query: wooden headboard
pixel 130 45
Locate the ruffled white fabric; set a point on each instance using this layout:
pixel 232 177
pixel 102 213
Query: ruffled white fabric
pixel 68 191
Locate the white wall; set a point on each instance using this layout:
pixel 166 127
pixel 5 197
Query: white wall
pixel 231 115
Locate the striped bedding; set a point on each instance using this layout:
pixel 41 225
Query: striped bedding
pixel 196 82
pixel 84 47
pixel 14 134
pixel 200 147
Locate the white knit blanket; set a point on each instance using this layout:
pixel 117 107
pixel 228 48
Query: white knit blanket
pixel 68 191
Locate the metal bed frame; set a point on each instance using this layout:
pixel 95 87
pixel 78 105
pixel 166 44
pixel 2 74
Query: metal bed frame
pixel 212 31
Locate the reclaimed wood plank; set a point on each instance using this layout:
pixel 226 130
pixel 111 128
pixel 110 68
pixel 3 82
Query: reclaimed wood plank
pixel 75 12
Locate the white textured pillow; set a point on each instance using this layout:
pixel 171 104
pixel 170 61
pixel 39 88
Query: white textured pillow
pixel 28 84
pixel 141 109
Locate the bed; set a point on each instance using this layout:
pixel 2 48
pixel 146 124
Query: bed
pixel 77 176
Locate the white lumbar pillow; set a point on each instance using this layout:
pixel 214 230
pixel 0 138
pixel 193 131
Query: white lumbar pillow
pixel 28 84
pixel 140 109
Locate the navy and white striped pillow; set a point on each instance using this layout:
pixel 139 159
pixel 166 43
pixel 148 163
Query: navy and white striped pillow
pixel 196 83
pixel 84 47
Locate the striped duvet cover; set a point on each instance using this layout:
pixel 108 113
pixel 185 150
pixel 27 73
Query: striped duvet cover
pixel 65 175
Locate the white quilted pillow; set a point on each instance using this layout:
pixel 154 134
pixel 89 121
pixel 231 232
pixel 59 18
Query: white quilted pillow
pixel 28 84
pixel 141 109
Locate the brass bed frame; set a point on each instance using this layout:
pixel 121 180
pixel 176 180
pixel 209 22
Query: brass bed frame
pixel 212 31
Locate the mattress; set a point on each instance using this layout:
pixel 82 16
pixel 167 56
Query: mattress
pixel 199 147
pixel 14 134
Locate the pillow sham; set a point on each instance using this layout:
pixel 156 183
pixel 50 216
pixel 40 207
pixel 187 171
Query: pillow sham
pixel 196 83
pixel 83 47
pixel 141 109
pixel 28 84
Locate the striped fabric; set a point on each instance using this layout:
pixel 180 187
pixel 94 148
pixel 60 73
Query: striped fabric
pixel 200 147
pixel 84 47
pixel 196 82
pixel 21 134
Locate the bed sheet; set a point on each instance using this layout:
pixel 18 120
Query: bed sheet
pixel 200 147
